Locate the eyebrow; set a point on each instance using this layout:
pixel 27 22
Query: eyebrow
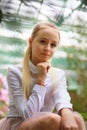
pixel 47 39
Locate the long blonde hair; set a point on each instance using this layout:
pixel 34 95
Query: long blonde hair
pixel 26 78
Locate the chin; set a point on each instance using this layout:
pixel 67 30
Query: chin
pixel 45 60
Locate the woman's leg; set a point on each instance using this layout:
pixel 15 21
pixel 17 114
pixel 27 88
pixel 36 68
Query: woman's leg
pixel 45 122
pixel 79 121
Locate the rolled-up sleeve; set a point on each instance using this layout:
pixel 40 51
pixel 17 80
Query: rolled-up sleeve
pixel 25 108
pixel 61 96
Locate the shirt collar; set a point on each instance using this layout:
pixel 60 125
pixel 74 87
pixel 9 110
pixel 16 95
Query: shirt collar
pixel 33 68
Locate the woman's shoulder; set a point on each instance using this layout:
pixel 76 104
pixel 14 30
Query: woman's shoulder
pixel 14 76
pixel 14 69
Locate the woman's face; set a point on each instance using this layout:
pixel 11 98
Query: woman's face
pixel 44 45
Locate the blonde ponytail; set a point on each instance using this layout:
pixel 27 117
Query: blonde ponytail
pixel 26 81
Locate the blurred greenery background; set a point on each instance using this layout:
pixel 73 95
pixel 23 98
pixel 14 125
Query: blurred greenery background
pixel 17 17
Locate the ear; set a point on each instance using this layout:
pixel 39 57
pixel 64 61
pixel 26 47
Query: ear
pixel 30 41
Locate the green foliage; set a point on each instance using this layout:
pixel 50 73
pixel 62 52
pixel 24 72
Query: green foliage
pixel 77 60
pixel 84 116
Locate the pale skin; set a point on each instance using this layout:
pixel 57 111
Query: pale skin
pixel 43 48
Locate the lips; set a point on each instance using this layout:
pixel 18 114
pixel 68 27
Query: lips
pixel 45 54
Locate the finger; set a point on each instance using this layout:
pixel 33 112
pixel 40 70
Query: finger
pixel 48 68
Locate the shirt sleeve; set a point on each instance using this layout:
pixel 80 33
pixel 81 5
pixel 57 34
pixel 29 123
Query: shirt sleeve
pixel 61 96
pixel 26 108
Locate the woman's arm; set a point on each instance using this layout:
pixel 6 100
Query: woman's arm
pixel 61 96
pixel 26 108
pixel 63 104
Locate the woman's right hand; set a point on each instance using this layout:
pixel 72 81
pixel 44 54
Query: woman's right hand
pixel 43 68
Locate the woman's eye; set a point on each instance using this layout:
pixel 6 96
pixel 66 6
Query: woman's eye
pixel 42 41
pixel 54 45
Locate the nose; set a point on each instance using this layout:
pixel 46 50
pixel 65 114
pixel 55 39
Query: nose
pixel 47 47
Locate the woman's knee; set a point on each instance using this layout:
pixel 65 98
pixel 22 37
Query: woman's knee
pixel 53 120
pixel 78 117
pixel 80 121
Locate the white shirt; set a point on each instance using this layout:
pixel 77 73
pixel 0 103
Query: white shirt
pixel 42 99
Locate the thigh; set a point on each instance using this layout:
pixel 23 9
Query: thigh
pixel 42 121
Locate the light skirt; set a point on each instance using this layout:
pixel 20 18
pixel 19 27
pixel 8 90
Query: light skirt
pixel 10 123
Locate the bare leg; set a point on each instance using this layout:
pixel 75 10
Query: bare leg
pixel 80 121
pixel 45 122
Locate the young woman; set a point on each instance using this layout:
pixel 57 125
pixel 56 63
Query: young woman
pixel 35 88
